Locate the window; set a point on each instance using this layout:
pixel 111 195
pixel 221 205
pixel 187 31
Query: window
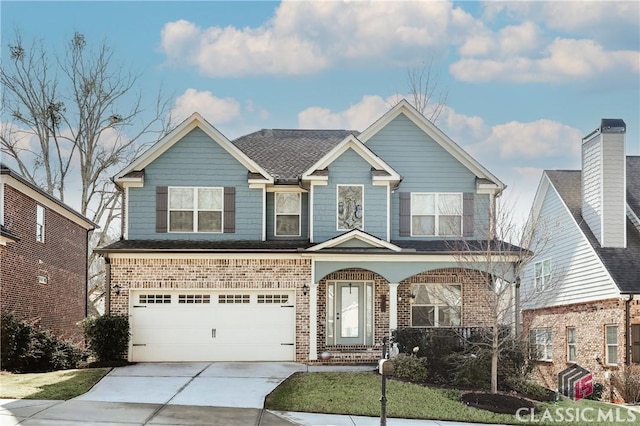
pixel 195 209
pixel 541 344
pixel 233 298
pixel 436 214
pixel 571 344
pixel 350 206
pixel 436 305
pixel 542 275
pixel 40 224
pixel 273 298
pixel 154 298
pixel 194 298
pixel 611 337
pixel 635 343
pixel 287 212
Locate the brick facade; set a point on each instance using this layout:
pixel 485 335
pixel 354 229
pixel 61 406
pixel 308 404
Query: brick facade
pixel 59 304
pixel 589 320
pixel 289 274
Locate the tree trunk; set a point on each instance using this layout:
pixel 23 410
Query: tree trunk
pixel 495 351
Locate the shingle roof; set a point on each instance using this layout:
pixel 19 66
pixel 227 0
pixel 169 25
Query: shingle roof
pixel 622 263
pixel 234 246
pixel 5 232
pixel 286 154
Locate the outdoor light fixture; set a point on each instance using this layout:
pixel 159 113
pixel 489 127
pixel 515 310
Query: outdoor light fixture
pixel 305 289
pixel 116 289
pixel 412 298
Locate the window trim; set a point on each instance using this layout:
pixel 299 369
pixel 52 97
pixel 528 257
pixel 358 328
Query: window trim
pixel 570 344
pixel 547 354
pixel 545 285
pixel 195 209
pixel 40 227
pixel 437 214
pixel 437 309
pixel 607 345
pixel 338 201
pixel 275 214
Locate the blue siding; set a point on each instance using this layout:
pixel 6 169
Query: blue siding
pixel 424 165
pixel 196 160
pixel 349 169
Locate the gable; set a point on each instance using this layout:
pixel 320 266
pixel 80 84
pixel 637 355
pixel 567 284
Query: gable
pixel 355 239
pixel 403 129
pixel 195 121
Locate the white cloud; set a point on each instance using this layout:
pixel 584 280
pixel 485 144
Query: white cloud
pixel 356 117
pixel 510 40
pixel 213 109
pixel 305 37
pixel 565 60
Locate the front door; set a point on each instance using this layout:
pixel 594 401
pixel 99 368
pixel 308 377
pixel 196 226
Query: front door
pixel 350 313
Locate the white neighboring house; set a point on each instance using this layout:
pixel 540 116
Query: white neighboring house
pixel 581 292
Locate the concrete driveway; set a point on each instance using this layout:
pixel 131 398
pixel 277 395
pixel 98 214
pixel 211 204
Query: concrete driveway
pixel 219 384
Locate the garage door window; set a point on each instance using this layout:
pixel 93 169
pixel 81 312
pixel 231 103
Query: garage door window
pixel 233 298
pixel 194 298
pixel 154 298
pixel 273 298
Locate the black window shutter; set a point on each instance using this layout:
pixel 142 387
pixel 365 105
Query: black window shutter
pixel 162 193
pixel 229 210
pixel 405 214
pixel 467 213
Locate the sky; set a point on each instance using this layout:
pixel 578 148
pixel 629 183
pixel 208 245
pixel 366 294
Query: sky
pixel 525 81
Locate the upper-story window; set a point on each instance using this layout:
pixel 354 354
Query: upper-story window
pixel 350 207
pixel 541 342
pixel 542 278
pixel 40 223
pixel 434 214
pixel 287 214
pixel 195 209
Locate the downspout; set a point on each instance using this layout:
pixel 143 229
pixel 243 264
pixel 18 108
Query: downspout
pixel 627 329
pixel 107 285
pixel 86 274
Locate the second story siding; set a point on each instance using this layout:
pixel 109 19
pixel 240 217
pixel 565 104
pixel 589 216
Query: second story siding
pixel 349 169
pixel 195 161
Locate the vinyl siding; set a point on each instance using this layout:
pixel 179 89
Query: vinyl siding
pixel 592 186
pixel 349 169
pixel 613 187
pixel 196 160
pixel 577 273
pixel 425 167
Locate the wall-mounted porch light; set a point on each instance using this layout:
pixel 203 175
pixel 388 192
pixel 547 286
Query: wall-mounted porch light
pixel 305 289
pixel 116 289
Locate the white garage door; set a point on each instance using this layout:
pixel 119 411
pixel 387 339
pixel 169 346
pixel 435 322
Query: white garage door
pixel 230 325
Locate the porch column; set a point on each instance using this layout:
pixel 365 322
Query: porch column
pixel 393 306
pixel 313 321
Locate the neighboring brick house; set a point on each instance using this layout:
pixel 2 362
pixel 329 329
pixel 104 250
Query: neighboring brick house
pixel 582 290
pixel 284 244
pixel 43 257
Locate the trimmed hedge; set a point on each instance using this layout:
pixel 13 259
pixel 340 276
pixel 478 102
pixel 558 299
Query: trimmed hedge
pixel 107 336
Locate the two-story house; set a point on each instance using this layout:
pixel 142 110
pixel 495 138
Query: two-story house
pixel 286 244
pixel 581 292
pixel 43 257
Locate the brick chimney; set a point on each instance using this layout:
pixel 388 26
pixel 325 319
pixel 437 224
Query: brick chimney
pixel 603 182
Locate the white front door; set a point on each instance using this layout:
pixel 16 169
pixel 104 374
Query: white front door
pixel 208 325
pixel 349 313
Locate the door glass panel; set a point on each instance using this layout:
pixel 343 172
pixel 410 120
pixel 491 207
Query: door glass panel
pixel 368 315
pixel 330 314
pixel 350 321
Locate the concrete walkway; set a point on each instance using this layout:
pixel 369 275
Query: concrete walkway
pixel 221 393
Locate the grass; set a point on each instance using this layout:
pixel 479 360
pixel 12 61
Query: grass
pixel 358 393
pixel 65 384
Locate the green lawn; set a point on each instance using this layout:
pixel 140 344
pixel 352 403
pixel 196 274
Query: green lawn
pixel 358 393
pixel 65 384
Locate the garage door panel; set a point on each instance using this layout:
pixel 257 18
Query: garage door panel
pixel 229 325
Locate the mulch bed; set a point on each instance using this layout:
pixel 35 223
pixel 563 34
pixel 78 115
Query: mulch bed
pixel 497 402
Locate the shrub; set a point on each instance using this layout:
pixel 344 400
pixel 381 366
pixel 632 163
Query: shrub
pixel 598 390
pixel 410 367
pixel 107 336
pixel 529 389
pixel 27 348
pixel 627 383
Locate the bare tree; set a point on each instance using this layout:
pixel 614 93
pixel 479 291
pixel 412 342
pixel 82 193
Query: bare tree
pixel 500 260
pixel 71 121
pixel 425 90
